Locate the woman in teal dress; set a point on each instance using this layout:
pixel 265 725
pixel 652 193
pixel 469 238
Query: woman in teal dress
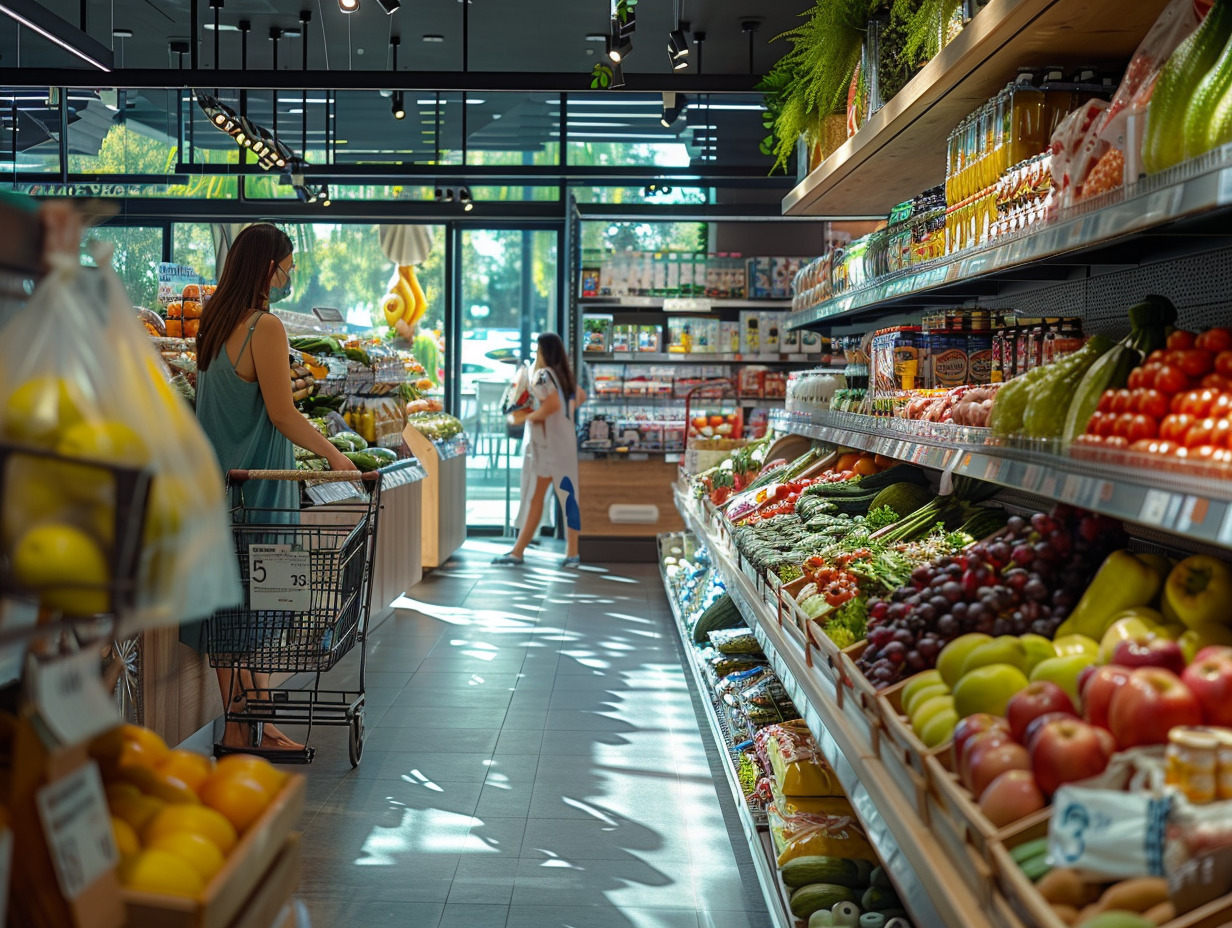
pixel 245 407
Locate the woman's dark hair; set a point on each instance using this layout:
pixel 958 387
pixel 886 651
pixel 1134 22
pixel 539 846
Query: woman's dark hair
pixel 243 286
pixel 555 357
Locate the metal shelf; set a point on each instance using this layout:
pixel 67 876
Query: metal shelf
pixel 678 304
pixel 926 879
pixel 1187 191
pixel 752 821
pixel 1184 501
pixel 602 400
pixel 900 150
pixel 663 357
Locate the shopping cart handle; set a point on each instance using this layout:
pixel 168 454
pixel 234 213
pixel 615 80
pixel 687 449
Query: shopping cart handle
pixel 236 477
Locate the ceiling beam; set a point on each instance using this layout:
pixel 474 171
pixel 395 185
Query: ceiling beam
pixel 55 29
pixel 437 81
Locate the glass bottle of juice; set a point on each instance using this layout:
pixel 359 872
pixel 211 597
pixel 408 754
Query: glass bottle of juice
pixel 1058 99
pixel 1000 150
pixel 949 169
pixel 1027 117
pixel 982 118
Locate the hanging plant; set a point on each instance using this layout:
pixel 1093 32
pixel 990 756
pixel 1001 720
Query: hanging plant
pixel 925 23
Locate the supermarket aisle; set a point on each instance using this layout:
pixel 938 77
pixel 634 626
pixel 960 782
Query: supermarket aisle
pixel 533 760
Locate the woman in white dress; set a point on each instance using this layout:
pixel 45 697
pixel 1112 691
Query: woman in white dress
pixel 550 455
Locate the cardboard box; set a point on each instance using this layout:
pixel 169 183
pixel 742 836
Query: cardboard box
pixel 750 331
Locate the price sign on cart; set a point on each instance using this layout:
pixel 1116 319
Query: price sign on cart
pixel 278 578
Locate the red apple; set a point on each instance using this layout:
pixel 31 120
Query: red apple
pixel 968 728
pixel 1037 725
pixel 1150 704
pixel 977 745
pixel 1210 680
pixel 1151 652
pixel 1084 675
pixel 1213 650
pixel 1067 750
pixel 1037 699
pixel 989 761
pixel 1011 796
pixel 1098 691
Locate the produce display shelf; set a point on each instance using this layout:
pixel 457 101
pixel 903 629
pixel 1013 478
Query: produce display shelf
pixel 1186 191
pixel 1180 503
pixel 901 149
pixel 924 876
pixel 447 448
pixel 680 304
pixel 752 818
pixel 609 400
pixel 695 357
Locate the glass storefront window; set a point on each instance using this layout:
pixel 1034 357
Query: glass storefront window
pixel 137 252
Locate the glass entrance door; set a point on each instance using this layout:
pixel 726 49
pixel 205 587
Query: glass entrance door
pixel 508 296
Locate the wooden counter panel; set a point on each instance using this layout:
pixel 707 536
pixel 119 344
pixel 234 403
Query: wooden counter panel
pixel 605 483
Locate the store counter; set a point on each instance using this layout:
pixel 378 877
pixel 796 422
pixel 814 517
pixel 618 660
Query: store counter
pixel 444 489
pixel 626 500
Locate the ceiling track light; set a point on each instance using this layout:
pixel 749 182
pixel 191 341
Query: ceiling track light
pixel 618 45
pixel 390 6
pixel 398 107
pixel 673 105
pixel 464 197
pixel 348 6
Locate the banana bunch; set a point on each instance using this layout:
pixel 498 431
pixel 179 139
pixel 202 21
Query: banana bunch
pixel 405 300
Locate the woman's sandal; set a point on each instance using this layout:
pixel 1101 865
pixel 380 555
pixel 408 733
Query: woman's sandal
pixel 507 560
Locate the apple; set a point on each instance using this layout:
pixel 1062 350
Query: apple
pixel 1153 652
pixel 1198 590
pixel 968 729
pixel 988 689
pixel 1011 796
pixel 1068 750
pixel 989 761
pixel 1098 692
pixel 1213 650
pixel 1084 675
pixel 1129 628
pixel 978 745
pixel 1198 638
pixel 1209 678
pixel 1152 702
pixel 1064 671
pixel 1038 698
pixel 1037 725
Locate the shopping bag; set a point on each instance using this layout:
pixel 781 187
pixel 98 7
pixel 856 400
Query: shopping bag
pixel 83 392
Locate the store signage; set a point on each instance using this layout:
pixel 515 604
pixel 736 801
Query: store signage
pixel 70 698
pixel 278 578
pixel 329 315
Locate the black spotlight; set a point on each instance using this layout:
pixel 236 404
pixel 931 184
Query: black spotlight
pixel 678 49
pixel 618 44
pixel 464 197
pixel 398 107
pixel 390 6
pixel 673 106
pixel 325 194
pixel 348 6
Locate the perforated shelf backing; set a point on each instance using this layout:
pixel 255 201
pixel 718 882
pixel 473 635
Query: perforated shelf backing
pixel 1199 285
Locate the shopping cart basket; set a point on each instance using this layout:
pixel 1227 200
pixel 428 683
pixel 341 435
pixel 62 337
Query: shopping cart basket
pixel 307 575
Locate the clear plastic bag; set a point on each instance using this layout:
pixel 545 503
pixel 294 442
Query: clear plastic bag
pixel 82 381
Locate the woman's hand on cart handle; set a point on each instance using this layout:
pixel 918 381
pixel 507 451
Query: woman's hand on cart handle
pixel 339 461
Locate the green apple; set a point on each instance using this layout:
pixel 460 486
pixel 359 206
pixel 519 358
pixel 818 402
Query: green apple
pixel 988 689
pixel 1128 629
pixel 1006 649
pixel 1038 649
pixel 1068 645
pixel 921 696
pixel 952 657
pixel 922 679
pixel 939 729
pixel 925 712
pixel 1064 671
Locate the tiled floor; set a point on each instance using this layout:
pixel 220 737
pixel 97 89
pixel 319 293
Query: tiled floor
pixel 533 760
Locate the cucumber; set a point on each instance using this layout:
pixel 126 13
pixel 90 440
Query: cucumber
pixel 879 878
pixel 363 460
pixel 840 871
pixel 877 898
pixel 1207 119
pixel 384 455
pixel 808 899
pixel 1036 868
pixel 1029 849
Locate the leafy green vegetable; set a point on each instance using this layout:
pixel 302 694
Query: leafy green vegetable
pixel 880 518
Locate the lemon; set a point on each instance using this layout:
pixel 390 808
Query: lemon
pixel 61 562
pixel 126 839
pixel 158 871
pixel 40 409
pixel 198 851
pixel 138 810
pixel 198 820
pixel 103 440
pixel 168 508
pixel 31 496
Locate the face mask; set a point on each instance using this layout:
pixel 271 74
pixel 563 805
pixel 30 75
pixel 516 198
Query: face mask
pixel 280 293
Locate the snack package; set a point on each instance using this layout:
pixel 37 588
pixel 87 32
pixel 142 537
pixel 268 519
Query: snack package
pixel 807 834
pixel 86 412
pixel 735 641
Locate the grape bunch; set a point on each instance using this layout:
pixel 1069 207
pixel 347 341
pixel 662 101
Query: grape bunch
pixel 1025 580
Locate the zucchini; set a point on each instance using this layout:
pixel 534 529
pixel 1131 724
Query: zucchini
pixel 364 460
pixel 1208 121
pixel 878 898
pixel 722 613
pixel 1029 849
pixel 839 871
pixel 815 896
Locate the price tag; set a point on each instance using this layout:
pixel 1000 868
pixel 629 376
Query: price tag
pixel 14 615
pixel 1048 485
pixel 77 824
pixel 1155 507
pixel 1071 487
pixel 278 578
pixel 992 470
pixel 70 697
pixel 1031 477
pixel 1225 528
pixel 1193 513
pixel 686 304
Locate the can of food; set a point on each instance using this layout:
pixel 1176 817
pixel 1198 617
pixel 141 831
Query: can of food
pixel 948 353
pixel 1191 762
pixel 979 358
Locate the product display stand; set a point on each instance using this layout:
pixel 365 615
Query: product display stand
pixel 444 494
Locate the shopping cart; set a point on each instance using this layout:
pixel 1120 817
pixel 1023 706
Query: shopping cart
pixel 307 576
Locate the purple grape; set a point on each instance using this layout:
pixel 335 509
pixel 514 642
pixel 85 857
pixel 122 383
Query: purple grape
pixel 947 627
pixel 896 652
pixel 952 591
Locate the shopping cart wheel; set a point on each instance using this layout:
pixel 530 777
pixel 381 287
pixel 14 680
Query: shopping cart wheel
pixel 355 743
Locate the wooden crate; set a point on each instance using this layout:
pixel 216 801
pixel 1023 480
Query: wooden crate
pixel 956 805
pixel 241 880
pixel 897 735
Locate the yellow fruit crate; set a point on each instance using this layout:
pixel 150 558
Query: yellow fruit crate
pixel 242 882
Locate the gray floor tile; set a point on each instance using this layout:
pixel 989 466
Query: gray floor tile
pixel 342 881
pixel 572 916
pixel 431 740
pixel 600 883
pixel 412 715
pixel 484 878
pixel 506 799
pixel 394 765
pixel 473 916
pixel 591 839
pixel 501 834
pixel 520 741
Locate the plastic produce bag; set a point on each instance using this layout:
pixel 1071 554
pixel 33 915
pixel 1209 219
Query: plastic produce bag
pixel 805 834
pixel 82 381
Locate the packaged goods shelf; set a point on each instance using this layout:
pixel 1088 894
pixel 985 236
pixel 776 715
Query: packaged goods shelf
pixel 900 151
pixel 678 304
pixel 929 881
pixel 1188 191
pixel 752 819
pixel 661 357
pixel 1184 501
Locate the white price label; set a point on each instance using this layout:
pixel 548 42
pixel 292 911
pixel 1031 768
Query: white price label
pixel 1071 487
pixel 15 615
pixel 1224 195
pixel 1155 507
pixel 686 304
pixel 78 829
pixel 278 578
pixel 1193 513
pixel 1048 485
pixel 71 699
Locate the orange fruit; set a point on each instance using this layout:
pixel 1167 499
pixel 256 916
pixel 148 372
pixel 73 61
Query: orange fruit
pixel 158 871
pixel 197 850
pixel 258 768
pixel 126 839
pixel 118 788
pixel 158 784
pixel 127 744
pixel 188 767
pixel 196 820
pixel 138 811
pixel 239 798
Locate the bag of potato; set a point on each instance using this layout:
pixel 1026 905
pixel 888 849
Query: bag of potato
pixel 105 464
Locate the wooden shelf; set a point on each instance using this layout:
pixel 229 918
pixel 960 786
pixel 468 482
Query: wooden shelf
pixel 900 151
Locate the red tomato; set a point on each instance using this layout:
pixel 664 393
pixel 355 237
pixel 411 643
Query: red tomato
pixel 1116 441
pixel 1144 445
pixel 1136 378
pixel 1170 380
pixel 1195 363
pixel 1198 403
pixel 1106 425
pixel 1122 402
pixel 1222 405
pixel 1140 427
pixel 1215 340
pixel 1221 433
pixel 1200 433
pixel 1223 363
pixel 1123 425
pixel 1204 453
pixel 1156 356
pixel 1174 427
pixel 1152 403
pixel 1105 401
pixel 1217 382
pixel 1181 339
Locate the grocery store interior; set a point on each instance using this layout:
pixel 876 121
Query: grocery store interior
pixel 867 365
